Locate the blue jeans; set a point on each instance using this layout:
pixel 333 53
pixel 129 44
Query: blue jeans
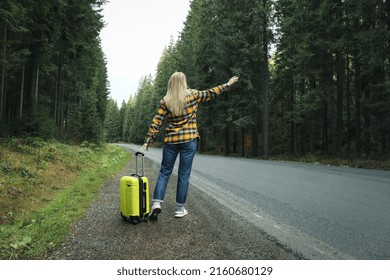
pixel 170 151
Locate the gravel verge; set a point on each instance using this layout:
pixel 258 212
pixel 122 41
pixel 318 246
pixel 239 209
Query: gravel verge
pixel 209 231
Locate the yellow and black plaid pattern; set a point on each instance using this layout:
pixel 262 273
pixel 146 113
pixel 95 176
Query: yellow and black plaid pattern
pixel 182 129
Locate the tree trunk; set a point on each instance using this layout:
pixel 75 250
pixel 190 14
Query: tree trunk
pixel 292 122
pixel 2 89
pixel 357 107
pixel 255 141
pixel 22 92
pixel 243 141
pixel 313 132
pixel 324 127
pixel 201 144
pixel 58 82
pixel 339 120
pixel 384 141
pixel 60 111
pixel 34 86
pixel 302 150
pixel 36 91
pixel 367 122
pixel 227 141
pixel 235 141
pixel 265 79
pixel 349 128
pixel 348 107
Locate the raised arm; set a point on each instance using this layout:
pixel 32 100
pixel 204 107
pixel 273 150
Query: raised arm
pixel 209 94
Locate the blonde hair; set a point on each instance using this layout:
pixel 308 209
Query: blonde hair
pixel 176 93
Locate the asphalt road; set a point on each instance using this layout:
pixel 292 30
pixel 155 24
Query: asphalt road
pixel 321 212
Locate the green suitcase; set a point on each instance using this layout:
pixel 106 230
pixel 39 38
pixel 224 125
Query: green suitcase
pixel 134 195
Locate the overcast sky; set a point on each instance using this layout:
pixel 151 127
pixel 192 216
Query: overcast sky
pixel 136 33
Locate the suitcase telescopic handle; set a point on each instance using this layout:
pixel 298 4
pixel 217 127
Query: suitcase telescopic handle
pixel 136 162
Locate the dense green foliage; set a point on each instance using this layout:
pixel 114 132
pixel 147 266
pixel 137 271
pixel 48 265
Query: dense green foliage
pixel 53 72
pixel 314 77
pixel 332 84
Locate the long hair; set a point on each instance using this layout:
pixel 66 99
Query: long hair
pixel 176 93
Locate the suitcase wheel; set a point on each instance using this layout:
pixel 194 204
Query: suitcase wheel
pixel 128 219
pixel 133 221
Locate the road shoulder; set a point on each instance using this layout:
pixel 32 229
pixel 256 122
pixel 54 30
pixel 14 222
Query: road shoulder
pixel 210 231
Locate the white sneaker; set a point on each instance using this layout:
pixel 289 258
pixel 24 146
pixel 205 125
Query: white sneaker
pixel 181 212
pixel 155 210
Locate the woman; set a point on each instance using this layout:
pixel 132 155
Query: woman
pixel 178 107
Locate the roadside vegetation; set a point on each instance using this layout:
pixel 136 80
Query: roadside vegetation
pixel 45 187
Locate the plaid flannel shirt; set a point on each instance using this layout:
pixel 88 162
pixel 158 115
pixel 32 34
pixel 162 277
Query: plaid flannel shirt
pixel 182 129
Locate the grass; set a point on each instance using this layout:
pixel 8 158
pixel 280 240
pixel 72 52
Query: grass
pixel 47 186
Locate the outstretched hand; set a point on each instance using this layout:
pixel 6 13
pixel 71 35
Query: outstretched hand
pixel 232 80
pixel 144 148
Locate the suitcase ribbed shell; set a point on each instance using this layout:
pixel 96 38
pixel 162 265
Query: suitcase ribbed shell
pixel 130 199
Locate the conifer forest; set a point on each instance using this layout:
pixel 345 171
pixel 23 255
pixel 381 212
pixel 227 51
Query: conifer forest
pixel 53 72
pixel 314 76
